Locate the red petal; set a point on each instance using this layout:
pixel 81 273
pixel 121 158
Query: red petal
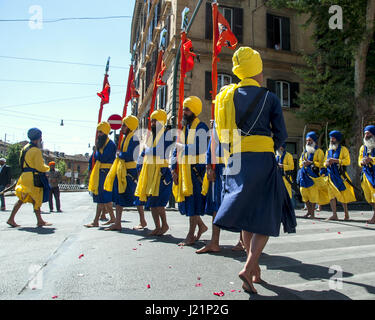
pixel 233 290
pixel 198 278
pixel 54 297
pixel 148 286
pixel 134 248
pixel 220 294
pixel 198 284
pixel 80 256
pixel 339 232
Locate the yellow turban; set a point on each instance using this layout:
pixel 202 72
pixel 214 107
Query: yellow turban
pixel 159 115
pixel 104 127
pixel 247 63
pixel 194 104
pixel 131 122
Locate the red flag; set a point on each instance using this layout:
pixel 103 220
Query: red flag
pixel 187 64
pixel 128 96
pixel 160 81
pixel 157 73
pixel 134 92
pixel 104 95
pixel 226 36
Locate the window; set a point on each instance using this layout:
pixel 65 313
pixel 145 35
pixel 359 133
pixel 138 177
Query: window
pixel 291 147
pixel 233 15
pixel 223 80
pixel 228 15
pixel 278 32
pixel 163 97
pixel 283 93
pixel 286 91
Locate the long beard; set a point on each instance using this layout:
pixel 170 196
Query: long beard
pixel 100 142
pixel 310 148
pixel 333 146
pixel 369 143
pixel 187 120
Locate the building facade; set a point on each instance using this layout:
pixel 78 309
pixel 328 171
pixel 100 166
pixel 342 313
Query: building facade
pixel 276 34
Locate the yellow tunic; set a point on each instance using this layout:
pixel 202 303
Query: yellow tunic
pixel 25 189
pixel 288 165
pixel 347 195
pixel 367 187
pixel 318 192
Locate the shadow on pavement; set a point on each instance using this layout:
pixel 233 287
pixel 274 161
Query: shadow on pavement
pixel 38 230
pixel 291 294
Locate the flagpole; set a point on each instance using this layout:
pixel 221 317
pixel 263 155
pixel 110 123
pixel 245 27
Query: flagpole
pixel 101 104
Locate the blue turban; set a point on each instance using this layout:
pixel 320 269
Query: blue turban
pixel 370 129
pixel 283 145
pixel 312 135
pixel 34 134
pixel 336 134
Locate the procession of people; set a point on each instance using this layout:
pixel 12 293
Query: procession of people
pixel 240 172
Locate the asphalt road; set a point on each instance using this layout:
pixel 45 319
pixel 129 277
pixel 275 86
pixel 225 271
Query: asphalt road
pixel 323 260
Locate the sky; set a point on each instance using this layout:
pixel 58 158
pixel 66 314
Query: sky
pixel 27 101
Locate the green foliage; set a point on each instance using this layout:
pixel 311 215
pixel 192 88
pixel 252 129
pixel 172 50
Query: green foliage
pixel 328 80
pixel 13 159
pixel 61 167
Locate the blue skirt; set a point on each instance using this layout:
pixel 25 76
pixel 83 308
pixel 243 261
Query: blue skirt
pixel 213 200
pixel 255 198
pixel 165 190
pixel 102 196
pixel 195 204
pixel 127 198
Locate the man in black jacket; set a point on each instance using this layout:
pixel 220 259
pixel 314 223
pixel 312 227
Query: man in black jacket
pixel 5 177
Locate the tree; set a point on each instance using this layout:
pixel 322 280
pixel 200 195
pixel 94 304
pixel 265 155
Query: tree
pixel 14 151
pixel 61 167
pixel 339 83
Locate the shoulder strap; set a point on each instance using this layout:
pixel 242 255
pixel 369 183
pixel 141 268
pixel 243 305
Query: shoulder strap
pixel 23 154
pixel 251 108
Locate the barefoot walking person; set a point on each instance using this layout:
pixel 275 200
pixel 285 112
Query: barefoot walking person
pixel 54 177
pixel 104 156
pixel 32 186
pixel 254 199
pixel 190 155
pixel 340 187
pixel 5 178
pixel 312 185
pixel 121 179
pixel 366 160
pixel 155 180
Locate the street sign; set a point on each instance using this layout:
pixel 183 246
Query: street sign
pixel 115 121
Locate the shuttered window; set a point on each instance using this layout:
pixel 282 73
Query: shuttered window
pixel 285 91
pixel 233 15
pixel 278 32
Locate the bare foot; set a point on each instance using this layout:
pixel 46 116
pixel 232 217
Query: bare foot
pixel 309 216
pixel 201 230
pixel 114 227
pixel 92 225
pixel 109 222
pixel 44 224
pixel 141 226
pixel 238 247
pixel 346 218
pixel 163 230
pixel 333 217
pixel 13 224
pixel 256 275
pixel 372 221
pixel 209 248
pixel 154 232
pixel 190 240
pixel 248 284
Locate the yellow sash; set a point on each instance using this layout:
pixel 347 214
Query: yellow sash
pixel 119 169
pixel 184 188
pixel 94 177
pixel 206 183
pixel 226 127
pixel 149 178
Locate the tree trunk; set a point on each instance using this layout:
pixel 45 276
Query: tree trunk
pixel 364 106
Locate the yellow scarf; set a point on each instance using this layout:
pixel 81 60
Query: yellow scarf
pixel 226 127
pixel 184 188
pixel 94 177
pixel 119 169
pixel 149 178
